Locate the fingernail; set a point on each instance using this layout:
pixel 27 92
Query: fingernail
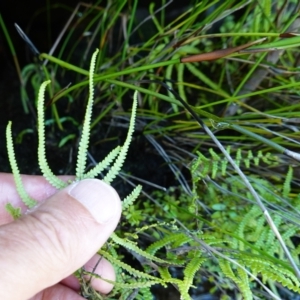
pixel 99 198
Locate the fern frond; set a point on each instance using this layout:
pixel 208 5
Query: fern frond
pixel 47 173
pixel 271 271
pixel 198 172
pixel 137 284
pixel 243 286
pixel 164 273
pixel 287 183
pixel 224 162
pixel 129 269
pixel 28 201
pixel 15 212
pixel 102 164
pixel 146 294
pixel 115 169
pixel 185 296
pixel 189 273
pixel 210 239
pixel 204 166
pixel 131 246
pixel 128 201
pixel 250 215
pixel 215 162
pixel 84 140
pixel 248 159
pixel 180 238
pixel 238 157
pixel 271 241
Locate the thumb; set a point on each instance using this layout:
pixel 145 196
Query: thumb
pixel 58 237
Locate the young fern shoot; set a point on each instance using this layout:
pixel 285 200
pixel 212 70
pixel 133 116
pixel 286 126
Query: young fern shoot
pixel 42 159
pixel 28 201
pixel 117 155
pixel 84 141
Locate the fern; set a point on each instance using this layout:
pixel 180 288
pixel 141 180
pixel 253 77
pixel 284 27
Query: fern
pixel 15 212
pixel 131 246
pixel 28 201
pixel 243 286
pixel 115 169
pixel 287 183
pixel 102 164
pixel 117 156
pixel 47 173
pixel 242 224
pixel 204 166
pixel 252 213
pixel 243 227
pixel 189 273
pixel 151 279
pixel 84 141
pixel 164 273
pixel 180 238
pixel 128 201
pixel 270 271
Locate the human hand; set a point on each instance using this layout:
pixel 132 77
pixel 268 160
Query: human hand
pixel 40 251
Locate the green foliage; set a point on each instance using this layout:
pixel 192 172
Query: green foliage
pixel 217 165
pixel 134 279
pixel 240 279
pixel 29 202
pixel 15 212
pixel 115 169
pixel 43 163
pixel 218 231
pixel 118 153
pixel 256 251
pixel 84 141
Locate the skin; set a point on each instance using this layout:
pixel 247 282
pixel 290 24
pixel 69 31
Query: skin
pixel 41 250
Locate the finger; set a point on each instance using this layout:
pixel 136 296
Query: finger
pixel 50 243
pixel 36 186
pixel 57 292
pixel 99 266
pixel 96 265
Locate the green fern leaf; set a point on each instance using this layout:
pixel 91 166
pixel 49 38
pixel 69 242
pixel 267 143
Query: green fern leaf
pixel 287 183
pixel 164 273
pixel 146 294
pixel 102 164
pixel 271 271
pixel 15 212
pixel 128 201
pixel 140 283
pixel 84 140
pixel 190 272
pixel 131 246
pixel 28 201
pixel 247 159
pixel 215 163
pixel 180 238
pixel 224 162
pixel 244 287
pixel 115 169
pixel 129 269
pixel 47 173
pixel 250 215
pixel 238 157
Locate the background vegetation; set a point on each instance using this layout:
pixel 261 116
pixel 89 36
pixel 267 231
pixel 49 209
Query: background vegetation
pixel 200 226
